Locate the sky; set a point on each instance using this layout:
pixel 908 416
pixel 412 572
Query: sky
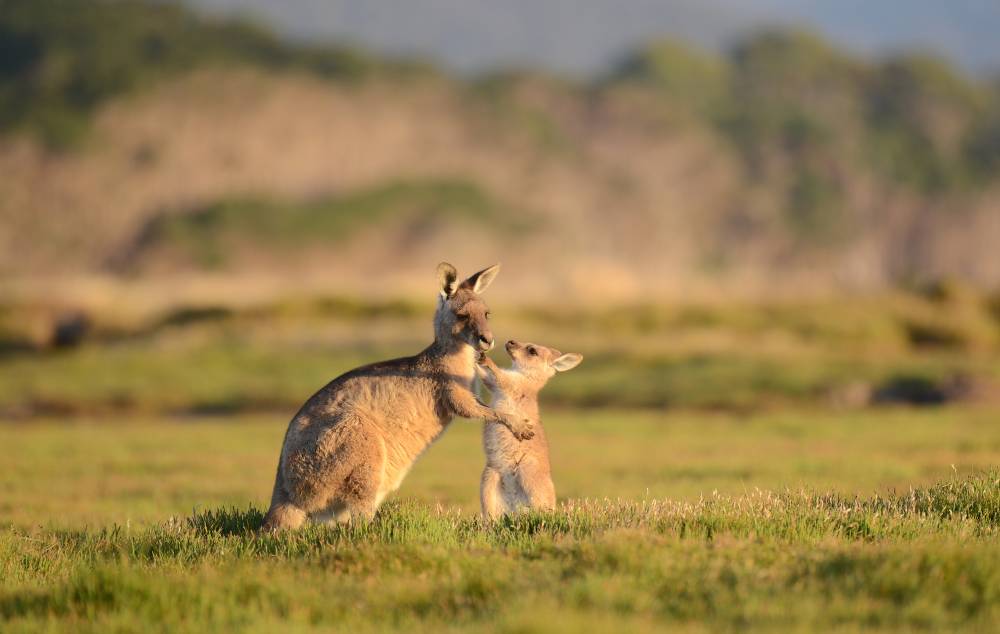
pixel 584 37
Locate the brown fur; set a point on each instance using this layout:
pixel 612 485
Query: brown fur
pixel 517 473
pixel 354 441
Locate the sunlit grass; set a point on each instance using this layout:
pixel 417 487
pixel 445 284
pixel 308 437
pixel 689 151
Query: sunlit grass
pixel 927 559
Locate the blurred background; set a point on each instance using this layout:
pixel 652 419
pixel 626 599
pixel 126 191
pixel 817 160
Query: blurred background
pixel 771 227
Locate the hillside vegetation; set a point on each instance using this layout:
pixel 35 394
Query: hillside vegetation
pixel 64 58
pixel 785 160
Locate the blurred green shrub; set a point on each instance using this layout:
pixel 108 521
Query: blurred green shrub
pixel 948 313
pixel 678 71
pixel 210 236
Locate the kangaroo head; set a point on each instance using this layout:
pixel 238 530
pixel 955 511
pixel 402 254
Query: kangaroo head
pixel 537 364
pixel 462 316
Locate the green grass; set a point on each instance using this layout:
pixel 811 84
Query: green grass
pixel 883 519
pixel 140 470
pixel 924 560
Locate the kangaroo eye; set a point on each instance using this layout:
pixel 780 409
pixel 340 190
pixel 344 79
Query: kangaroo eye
pixel 533 352
pixel 488 313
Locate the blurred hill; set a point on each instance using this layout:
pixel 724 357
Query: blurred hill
pixel 142 142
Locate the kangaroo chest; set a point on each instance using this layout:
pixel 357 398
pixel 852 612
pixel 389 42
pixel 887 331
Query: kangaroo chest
pixel 409 433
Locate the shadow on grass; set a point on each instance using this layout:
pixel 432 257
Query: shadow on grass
pixel 226 521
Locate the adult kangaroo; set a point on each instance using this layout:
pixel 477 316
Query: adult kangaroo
pixel 354 441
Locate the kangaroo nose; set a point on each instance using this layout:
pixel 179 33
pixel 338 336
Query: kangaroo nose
pixel 485 341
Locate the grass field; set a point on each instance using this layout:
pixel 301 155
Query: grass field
pixel 927 560
pixel 710 478
pixel 790 520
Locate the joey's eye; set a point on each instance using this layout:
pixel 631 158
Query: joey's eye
pixel 532 351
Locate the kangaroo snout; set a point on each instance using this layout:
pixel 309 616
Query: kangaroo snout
pixel 485 342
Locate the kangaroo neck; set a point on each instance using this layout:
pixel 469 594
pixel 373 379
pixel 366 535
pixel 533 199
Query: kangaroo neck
pixel 452 353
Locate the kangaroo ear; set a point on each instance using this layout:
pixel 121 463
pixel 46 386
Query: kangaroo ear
pixel 447 278
pixel 567 361
pixel 478 282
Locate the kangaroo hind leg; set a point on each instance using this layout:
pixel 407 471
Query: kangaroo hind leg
pixel 537 487
pixel 364 487
pixel 490 496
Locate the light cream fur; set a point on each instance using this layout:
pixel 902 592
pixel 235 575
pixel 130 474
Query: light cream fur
pixel 517 473
pixel 354 441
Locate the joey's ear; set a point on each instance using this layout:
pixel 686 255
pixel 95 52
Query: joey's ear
pixel 567 361
pixel 447 278
pixel 479 281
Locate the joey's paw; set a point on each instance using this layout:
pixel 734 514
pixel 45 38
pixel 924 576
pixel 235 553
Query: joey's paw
pixel 523 429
